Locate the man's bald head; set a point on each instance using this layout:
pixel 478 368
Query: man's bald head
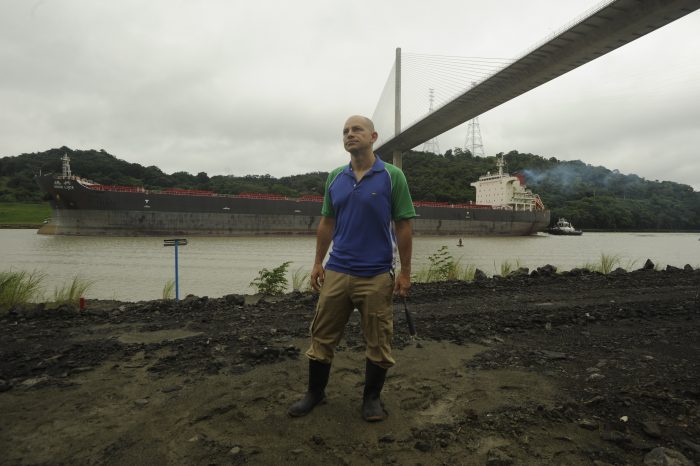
pixel 369 124
pixel 359 135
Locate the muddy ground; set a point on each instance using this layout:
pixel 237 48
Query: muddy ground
pixel 567 369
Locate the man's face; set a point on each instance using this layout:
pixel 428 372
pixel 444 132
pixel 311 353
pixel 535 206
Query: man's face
pixel 358 135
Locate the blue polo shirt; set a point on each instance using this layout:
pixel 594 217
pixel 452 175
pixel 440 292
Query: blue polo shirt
pixel 363 239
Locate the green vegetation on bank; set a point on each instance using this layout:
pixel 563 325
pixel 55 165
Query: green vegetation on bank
pixel 21 213
pixel 73 291
pixel 591 197
pixel 18 288
pixel 272 282
pixel 169 290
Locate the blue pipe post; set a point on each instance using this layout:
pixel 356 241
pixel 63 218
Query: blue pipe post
pixel 176 242
pixel 177 280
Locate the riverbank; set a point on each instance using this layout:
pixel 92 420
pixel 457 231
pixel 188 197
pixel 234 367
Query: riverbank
pixel 575 369
pixel 20 226
pixel 23 214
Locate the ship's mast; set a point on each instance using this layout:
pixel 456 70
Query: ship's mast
pixel 500 164
pixel 66 166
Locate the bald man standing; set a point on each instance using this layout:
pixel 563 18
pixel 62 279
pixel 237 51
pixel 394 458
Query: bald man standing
pixel 361 202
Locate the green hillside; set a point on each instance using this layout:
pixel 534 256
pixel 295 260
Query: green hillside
pixel 591 197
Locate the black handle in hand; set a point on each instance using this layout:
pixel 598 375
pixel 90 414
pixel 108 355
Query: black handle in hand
pixel 409 319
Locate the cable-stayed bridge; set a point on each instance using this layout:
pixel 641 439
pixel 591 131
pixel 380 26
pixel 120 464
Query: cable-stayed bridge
pixel 495 81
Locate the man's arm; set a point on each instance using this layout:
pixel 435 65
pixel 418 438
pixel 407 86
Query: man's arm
pixel 404 240
pixel 324 235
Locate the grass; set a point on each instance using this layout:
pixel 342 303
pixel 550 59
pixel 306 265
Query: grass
pixel 301 280
pixel 443 267
pixel 608 263
pixel 169 290
pixel 19 288
pixel 507 267
pixel 71 293
pixel 20 213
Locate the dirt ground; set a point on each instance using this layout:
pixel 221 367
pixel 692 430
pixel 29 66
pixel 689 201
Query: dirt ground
pixel 563 369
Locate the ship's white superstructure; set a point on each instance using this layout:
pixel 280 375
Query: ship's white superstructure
pixel 504 191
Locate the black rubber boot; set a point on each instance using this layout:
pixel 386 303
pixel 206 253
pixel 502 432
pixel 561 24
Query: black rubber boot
pixel 318 379
pixel 372 409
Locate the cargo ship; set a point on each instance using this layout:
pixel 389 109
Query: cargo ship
pixel 503 207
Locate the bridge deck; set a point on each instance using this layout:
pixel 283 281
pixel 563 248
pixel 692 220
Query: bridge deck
pixel 609 28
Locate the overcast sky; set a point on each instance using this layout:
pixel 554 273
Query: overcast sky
pixel 256 87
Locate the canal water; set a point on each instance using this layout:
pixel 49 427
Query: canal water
pixel 133 269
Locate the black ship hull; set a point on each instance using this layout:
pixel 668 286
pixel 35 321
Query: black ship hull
pixel 83 209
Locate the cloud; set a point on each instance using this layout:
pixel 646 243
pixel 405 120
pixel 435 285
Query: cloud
pixel 264 87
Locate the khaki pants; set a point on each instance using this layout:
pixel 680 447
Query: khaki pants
pixel 340 295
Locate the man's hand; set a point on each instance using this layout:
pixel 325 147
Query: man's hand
pixel 318 275
pixel 402 284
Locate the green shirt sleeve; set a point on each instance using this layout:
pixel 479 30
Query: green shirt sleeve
pixel 327 209
pixel 401 202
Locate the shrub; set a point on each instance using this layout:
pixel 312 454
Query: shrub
pixel 442 265
pixel 271 282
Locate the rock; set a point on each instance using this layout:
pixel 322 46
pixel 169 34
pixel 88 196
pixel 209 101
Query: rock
pixel 687 268
pixel 297 451
pixel 595 376
pixel 234 451
pixel 235 299
pixel 31 382
pixel 614 437
pixel 422 446
pixel 618 271
pixel 588 424
pixel 553 355
pixel 546 271
pixel 666 457
pixel 171 388
pixel 480 276
pixel 4 386
pixel 317 439
pixel 141 402
pixel 497 457
pixel 648 265
pixel 651 429
pixel 519 272
pixel 387 438
pixel 670 268
pixel 693 446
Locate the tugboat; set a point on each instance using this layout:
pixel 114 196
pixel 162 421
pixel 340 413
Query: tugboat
pixel 564 227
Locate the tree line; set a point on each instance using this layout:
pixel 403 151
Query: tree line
pixel 592 197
